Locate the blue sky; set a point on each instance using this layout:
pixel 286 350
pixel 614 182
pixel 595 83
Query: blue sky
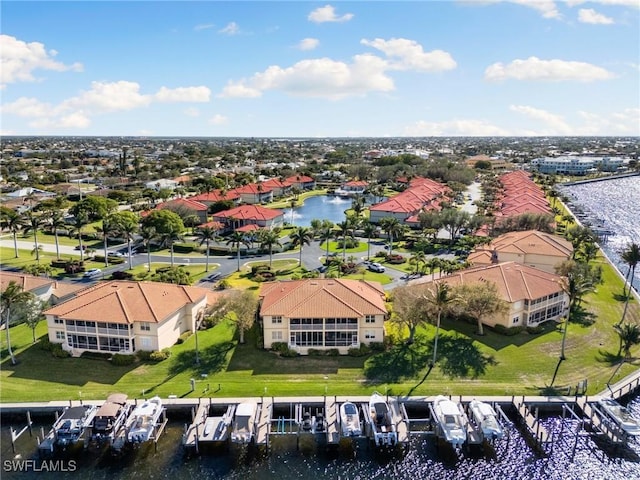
pixel 318 69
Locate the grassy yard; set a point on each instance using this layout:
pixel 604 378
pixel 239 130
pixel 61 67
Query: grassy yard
pixel 468 364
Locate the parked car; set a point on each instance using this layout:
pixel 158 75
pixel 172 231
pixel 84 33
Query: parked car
pixel 115 254
pixel 77 247
pixel 376 267
pixel 93 272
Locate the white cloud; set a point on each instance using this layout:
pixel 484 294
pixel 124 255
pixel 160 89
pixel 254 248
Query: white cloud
pixel 548 70
pixel 308 43
pixel 28 107
pixel 547 8
pixel 621 3
pixel 110 97
pixel 328 14
pixel 411 55
pixel 471 128
pixel 555 124
pixel 103 97
pixel 19 59
pixel 204 26
pixel 232 28
pixel 322 77
pixel 589 15
pixel 191 112
pixel 183 94
pixel 218 119
pixel 626 122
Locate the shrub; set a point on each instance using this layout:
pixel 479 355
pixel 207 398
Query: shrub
pixel 536 329
pixel 395 259
pixel 361 351
pixel 224 284
pixel 58 263
pixel 333 352
pixel 184 247
pixel 96 355
pixel 120 275
pixel 159 356
pixel 377 346
pixel 144 355
pixel 58 352
pixel 120 359
pixel 46 345
pixel 289 353
pixel 314 352
pixel 182 338
pixel 260 268
pixel 509 332
pixel 279 347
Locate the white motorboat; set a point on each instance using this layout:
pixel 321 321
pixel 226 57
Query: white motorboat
pixel 350 420
pixel 143 420
pixel 384 431
pixel 621 416
pixel 71 425
pixel 244 423
pixel 485 417
pixel 110 418
pixel 451 419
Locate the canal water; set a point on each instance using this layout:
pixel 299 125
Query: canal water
pixel 612 205
pixel 510 458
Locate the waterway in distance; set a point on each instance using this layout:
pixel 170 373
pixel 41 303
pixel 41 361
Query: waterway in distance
pixel 615 205
pixel 511 459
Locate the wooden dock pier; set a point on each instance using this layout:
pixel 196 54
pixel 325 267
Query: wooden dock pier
pixel 538 433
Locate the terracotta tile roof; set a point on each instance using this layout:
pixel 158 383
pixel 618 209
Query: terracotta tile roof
pixel 532 241
pixel 253 188
pixel 322 298
pixel 215 196
pixel 425 193
pixel 26 282
pixel 127 302
pixel 356 183
pixel 215 225
pixel 276 183
pixel 514 281
pixel 299 179
pixel 189 203
pixel 248 228
pixel 249 212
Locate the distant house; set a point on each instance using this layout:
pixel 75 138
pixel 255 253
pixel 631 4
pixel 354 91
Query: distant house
pixel 322 313
pixel 278 187
pixel 302 182
pixel 126 317
pixel 188 204
pixel 162 184
pixel 421 195
pixel 536 249
pixel 209 198
pixel 249 215
pixel 352 188
pixel 534 296
pixel 254 193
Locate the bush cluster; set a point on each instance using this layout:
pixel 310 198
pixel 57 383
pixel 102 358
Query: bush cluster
pixel 395 259
pixel 509 332
pixel 159 356
pixel 182 338
pixel 96 355
pixel 361 351
pixel 121 359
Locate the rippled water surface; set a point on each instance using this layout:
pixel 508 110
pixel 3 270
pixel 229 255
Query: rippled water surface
pixel 615 204
pixel 512 458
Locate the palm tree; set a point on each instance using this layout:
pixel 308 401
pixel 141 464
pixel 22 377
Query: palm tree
pixel 14 223
pixel 629 334
pixel 370 230
pixel 127 226
pixel 301 236
pixel 56 221
pixel 575 285
pixel 392 226
pixel 440 298
pixel 236 239
pixel 108 228
pixel 326 234
pixel 148 234
pixel 630 256
pixel 269 239
pixel 11 296
pixel 357 205
pixel 205 234
pixel 33 224
pixel 81 220
pixel 168 238
pixel 343 231
pixel 419 260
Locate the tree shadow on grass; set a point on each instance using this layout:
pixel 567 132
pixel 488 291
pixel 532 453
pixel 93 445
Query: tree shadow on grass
pixel 401 362
pixel 213 359
pixel 581 316
pixel 459 357
pixel 608 358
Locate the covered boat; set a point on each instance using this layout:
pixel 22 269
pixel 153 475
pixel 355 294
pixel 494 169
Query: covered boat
pixel 486 419
pixel 350 420
pixel 143 420
pixel 244 423
pixel 384 431
pixel 451 420
pixel 620 415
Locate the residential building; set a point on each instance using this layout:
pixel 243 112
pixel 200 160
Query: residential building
pixel 195 208
pixel 126 316
pixel 162 183
pixel 46 289
pixel 322 313
pixel 254 193
pixel 352 188
pixel 209 198
pixel 532 247
pixel 302 182
pixel 249 215
pixel 533 295
pixel 421 195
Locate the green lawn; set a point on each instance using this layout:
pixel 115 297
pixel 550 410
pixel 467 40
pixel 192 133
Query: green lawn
pixel 468 364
